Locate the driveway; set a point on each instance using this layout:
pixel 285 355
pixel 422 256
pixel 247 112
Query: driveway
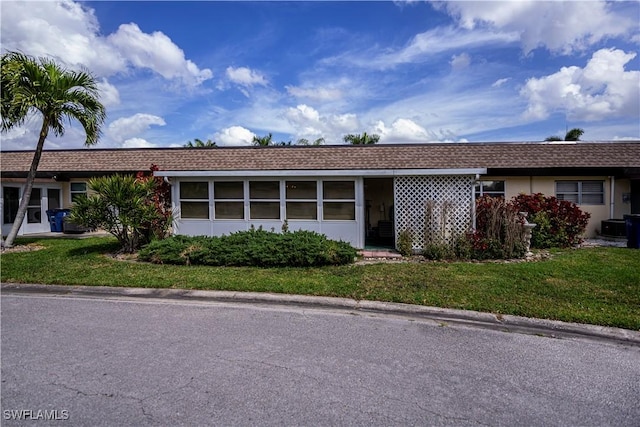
pixel 128 361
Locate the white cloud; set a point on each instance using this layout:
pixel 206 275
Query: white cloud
pixel 404 131
pixel 70 32
pixel 109 95
pixel 157 52
pixel 63 29
pixel 562 27
pixel 309 123
pixel 500 82
pixel 125 128
pixel 234 135
pixel 601 90
pixel 429 43
pixel 137 143
pixel 303 113
pixel 316 93
pixel 246 77
pixel 460 62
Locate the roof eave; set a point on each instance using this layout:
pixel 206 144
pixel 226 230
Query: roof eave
pixel 323 172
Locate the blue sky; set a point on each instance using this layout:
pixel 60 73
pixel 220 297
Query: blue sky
pixel 412 72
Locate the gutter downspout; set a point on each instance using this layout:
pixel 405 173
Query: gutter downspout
pixel 473 202
pixel 612 191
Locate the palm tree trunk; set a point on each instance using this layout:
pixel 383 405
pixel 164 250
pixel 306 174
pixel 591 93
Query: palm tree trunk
pixel 26 194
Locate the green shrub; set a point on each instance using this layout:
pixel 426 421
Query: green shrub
pixel 438 251
pixel 251 248
pixel 405 242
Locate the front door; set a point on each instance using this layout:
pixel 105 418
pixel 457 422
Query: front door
pixel 36 219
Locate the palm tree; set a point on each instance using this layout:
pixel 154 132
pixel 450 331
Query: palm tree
pixel 198 143
pixel 262 141
pixel 31 85
pixel 363 139
pixel 571 135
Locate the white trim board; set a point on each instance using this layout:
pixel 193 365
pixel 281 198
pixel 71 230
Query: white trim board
pixel 324 172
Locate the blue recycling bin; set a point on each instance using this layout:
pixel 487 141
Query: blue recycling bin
pixel 59 219
pixel 53 225
pixel 632 223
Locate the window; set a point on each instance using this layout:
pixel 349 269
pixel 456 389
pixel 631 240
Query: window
pixel 338 200
pixel 78 189
pixel 302 200
pixel 10 202
pixel 229 199
pixel 34 207
pixel 194 200
pixel 489 188
pixel 264 199
pixel 581 192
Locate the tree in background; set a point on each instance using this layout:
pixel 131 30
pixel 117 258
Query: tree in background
pixel 198 143
pixel 571 135
pixel 31 85
pixel 263 141
pixel 364 139
pixel 304 141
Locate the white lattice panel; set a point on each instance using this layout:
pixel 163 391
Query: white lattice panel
pixel 451 198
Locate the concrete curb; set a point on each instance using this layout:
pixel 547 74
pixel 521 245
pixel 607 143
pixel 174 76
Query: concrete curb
pixel 509 323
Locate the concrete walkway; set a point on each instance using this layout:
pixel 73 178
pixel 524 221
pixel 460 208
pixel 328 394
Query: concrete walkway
pixel 444 316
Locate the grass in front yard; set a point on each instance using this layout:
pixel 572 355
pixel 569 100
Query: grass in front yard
pixel 592 285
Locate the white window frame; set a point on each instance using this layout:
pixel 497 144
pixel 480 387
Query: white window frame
pixel 73 193
pixel 289 200
pixel 263 200
pixel 477 194
pixel 350 200
pixel 580 193
pixel 243 200
pixel 191 200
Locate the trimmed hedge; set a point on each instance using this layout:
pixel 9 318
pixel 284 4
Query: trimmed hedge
pixel 251 248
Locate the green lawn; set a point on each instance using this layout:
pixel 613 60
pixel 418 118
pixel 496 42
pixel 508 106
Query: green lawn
pixel 595 285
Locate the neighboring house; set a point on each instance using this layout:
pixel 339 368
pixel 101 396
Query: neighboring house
pixel 360 194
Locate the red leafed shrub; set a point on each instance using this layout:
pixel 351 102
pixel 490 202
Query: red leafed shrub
pixel 559 223
pixel 161 199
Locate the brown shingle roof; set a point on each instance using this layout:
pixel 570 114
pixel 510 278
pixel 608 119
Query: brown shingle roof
pixel 417 156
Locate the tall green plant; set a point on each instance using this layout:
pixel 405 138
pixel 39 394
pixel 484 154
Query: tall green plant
pixel 124 206
pixel 40 85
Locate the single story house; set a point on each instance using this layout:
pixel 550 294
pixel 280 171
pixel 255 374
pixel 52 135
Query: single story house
pixel 363 194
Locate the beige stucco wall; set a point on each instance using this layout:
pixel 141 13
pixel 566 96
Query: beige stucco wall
pixel 621 208
pixel 546 186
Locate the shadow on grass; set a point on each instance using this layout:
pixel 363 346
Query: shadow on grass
pixel 99 249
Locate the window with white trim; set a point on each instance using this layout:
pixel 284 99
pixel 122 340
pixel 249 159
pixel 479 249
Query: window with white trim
pixel 264 199
pixel 489 188
pixel 338 200
pixel 581 192
pixel 301 200
pixel 77 189
pixel 194 200
pixel 228 199
pixel 34 207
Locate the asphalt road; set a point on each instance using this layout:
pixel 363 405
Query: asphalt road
pixel 109 361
